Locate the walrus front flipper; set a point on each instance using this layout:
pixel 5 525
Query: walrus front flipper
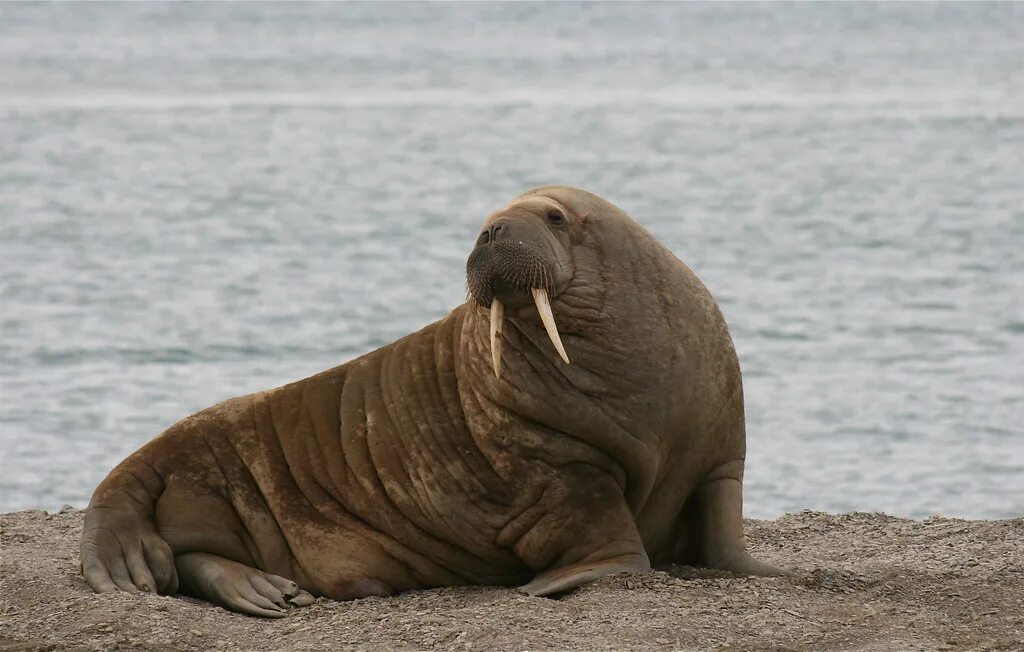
pixel 580 529
pixel 564 578
pixel 121 549
pixel 721 523
pixel 238 587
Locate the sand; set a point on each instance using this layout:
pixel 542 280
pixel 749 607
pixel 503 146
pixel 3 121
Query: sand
pixel 868 582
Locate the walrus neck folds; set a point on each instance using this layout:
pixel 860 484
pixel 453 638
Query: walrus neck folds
pixel 566 335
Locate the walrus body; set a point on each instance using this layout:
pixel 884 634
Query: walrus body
pixel 432 462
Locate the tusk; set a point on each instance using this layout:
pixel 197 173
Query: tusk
pixel 540 297
pixel 497 317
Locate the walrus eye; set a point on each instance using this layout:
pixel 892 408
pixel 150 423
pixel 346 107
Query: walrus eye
pixel 556 218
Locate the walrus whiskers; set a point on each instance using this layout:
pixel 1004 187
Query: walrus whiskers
pixel 497 317
pixel 540 297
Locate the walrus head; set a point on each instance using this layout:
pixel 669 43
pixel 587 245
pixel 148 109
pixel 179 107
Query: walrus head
pixel 522 257
pixel 561 275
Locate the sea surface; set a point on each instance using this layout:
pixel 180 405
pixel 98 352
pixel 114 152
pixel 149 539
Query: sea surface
pixel 199 201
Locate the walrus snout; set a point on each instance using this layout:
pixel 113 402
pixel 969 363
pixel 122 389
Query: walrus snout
pixel 507 270
pixel 503 270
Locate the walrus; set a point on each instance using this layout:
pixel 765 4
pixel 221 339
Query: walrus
pixel 581 414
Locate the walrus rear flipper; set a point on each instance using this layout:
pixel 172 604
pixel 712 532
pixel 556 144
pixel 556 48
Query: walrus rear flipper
pixel 239 587
pixel 121 549
pixel 721 504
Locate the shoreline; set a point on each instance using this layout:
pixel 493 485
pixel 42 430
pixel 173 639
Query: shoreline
pixel 867 582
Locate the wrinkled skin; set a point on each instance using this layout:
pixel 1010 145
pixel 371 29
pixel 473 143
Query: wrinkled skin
pixel 415 466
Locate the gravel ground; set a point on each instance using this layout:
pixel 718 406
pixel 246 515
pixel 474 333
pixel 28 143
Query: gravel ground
pixel 868 582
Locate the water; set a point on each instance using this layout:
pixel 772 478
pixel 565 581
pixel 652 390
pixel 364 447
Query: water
pixel 200 201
